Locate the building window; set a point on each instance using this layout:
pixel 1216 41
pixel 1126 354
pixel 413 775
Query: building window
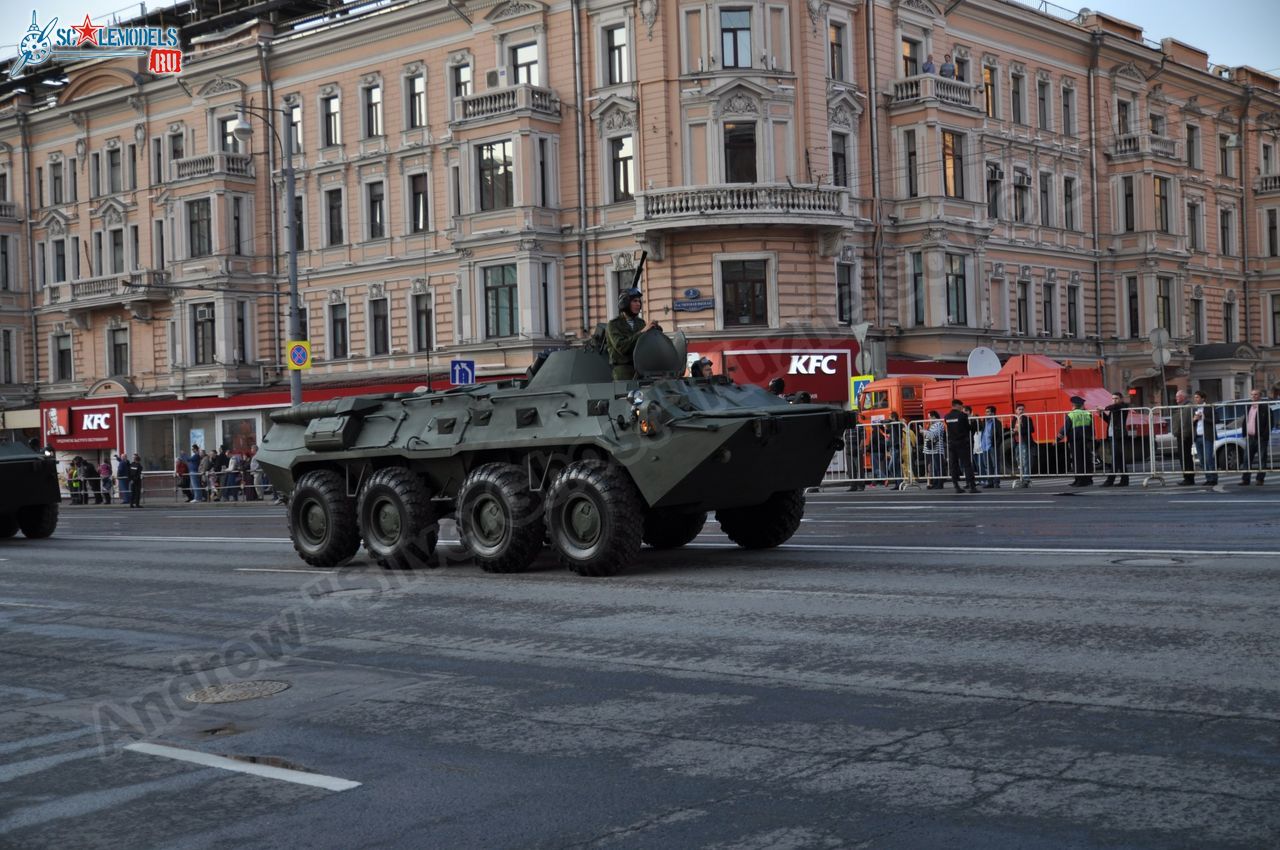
pixel 989 90
pixel 1157 124
pixel 746 292
pixel 1024 307
pixel 957 291
pixel 418 200
pixel 6 276
pixel 416 101
pixel 334 217
pixel 1229 321
pixel 1132 307
pixel 8 356
pixel 1021 196
pixel 917 289
pixel 962 69
pixel 501 305
pixel 239 226
pixel 1268 158
pixel 1068 112
pixel 1049 306
pixel 1162 203
pixel 203 334
pixel 735 38
pixel 379 327
pixel 376 209
pixel 55 183
pixel 330 121
pixel 1275 319
pixel 1193 146
pixel 119 342
pixel 117 250
pixel 227 141
pixel 423 322
pixel 844 293
pixel 839 159
pixel 1069 203
pixel 953 163
pixel 295 126
pixel 372 111
pixel 59 260
pixel 337 331
pixel 199 228
pixel 62 357
pixel 114 176
pixel 910 57
pixel 1197 320
pixel 1273 233
pixel 617 61
pixel 299 229
pixel 740 152
pixel 995 177
pixel 1224 156
pixel 1128 212
pixel 524 64
pixel 495 175
pixel 95 175
pixel 177 151
pixel 1226 246
pixel 1124 117
pixel 461 80
pixel 1046 199
pixel 1073 311
pixel 621 168
pixel 1016 95
pixel 1042 104
pixel 836 39
pixel 1194 242
pixel 913 175
pixel 1164 303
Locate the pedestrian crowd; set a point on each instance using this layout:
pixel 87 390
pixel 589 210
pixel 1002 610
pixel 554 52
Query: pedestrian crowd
pixel 87 480
pixel 221 476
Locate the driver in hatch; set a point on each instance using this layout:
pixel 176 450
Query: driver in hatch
pixel 624 331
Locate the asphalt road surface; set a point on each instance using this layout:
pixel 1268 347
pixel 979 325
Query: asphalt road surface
pixel 1014 669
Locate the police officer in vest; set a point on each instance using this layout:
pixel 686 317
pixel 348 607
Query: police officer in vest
pixel 1077 430
pixel 623 332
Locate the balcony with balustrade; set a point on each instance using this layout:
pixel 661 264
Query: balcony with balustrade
pixel 224 165
pixel 742 204
pixel 116 290
pixel 1267 184
pixel 521 101
pixel 1127 146
pixel 930 89
pixel 9 212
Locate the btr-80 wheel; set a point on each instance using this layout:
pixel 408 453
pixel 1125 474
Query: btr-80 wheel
pixel 322 519
pixel 594 515
pixel 766 525
pixel 38 521
pixel 668 529
pixel 8 525
pixel 397 521
pixel 500 518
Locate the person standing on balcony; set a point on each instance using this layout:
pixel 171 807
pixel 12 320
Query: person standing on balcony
pixel 948 67
pixel 929 67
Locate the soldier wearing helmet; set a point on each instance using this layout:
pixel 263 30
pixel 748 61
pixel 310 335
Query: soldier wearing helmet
pixel 624 331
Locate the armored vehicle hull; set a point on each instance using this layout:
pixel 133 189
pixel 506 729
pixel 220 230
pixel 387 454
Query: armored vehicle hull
pixel 592 465
pixel 29 492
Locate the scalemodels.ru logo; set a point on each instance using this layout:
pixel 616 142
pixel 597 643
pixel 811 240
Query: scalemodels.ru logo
pixel 90 40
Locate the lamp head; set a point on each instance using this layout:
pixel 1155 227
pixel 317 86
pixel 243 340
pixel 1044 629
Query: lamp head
pixel 241 129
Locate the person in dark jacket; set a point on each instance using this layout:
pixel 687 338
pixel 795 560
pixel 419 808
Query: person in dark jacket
pixel 1182 428
pixel 122 478
pixel 960 446
pixel 1204 423
pixel 623 332
pixel 92 480
pixel 1113 414
pixel 1255 427
pixel 1024 429
pixel 135 482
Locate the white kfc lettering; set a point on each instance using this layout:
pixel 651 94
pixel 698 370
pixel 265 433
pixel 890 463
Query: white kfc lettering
pixel 97 421
pixel 811 364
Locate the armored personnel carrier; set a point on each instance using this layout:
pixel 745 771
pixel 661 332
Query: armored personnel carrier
pixel 568 457
pixel 29 492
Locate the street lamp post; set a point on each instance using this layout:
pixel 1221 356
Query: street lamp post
pixel 243 130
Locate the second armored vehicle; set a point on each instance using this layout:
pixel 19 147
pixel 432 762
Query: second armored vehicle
pixel 591 465
pixel 29 492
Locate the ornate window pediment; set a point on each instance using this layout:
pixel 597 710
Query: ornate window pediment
pixel 56 223
pixel 844 110
pixel 1128 73
pixel 615 113
pixel 515 9
pixel 111 211
pixel 220 85
pixel 923 7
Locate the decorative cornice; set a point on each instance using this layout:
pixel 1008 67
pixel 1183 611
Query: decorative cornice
pixel 817 12
pixel 649 14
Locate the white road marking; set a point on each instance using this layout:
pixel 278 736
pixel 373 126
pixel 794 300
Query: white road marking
pixel 31 605
pixel 1224 501
pixel 316 780
pixel 173 539
pixel 869 521
pixel 266 570
pixel 1025 550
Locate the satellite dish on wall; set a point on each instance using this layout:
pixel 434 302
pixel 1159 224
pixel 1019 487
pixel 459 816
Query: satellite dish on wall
pixel 982 362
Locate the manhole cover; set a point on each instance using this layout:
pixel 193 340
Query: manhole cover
pixel 1147 562
pixel 238 692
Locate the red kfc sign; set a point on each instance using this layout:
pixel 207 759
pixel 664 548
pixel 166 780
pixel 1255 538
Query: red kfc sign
pixel 89 427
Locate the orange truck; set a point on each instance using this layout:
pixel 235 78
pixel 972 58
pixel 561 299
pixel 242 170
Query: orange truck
pixel 1042 384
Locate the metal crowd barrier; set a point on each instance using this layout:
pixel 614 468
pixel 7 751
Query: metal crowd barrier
pixel 1139 449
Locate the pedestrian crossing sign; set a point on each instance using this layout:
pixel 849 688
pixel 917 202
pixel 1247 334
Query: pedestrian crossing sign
pixel 299 351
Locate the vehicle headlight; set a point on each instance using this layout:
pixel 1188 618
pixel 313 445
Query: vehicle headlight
pixel 649 417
